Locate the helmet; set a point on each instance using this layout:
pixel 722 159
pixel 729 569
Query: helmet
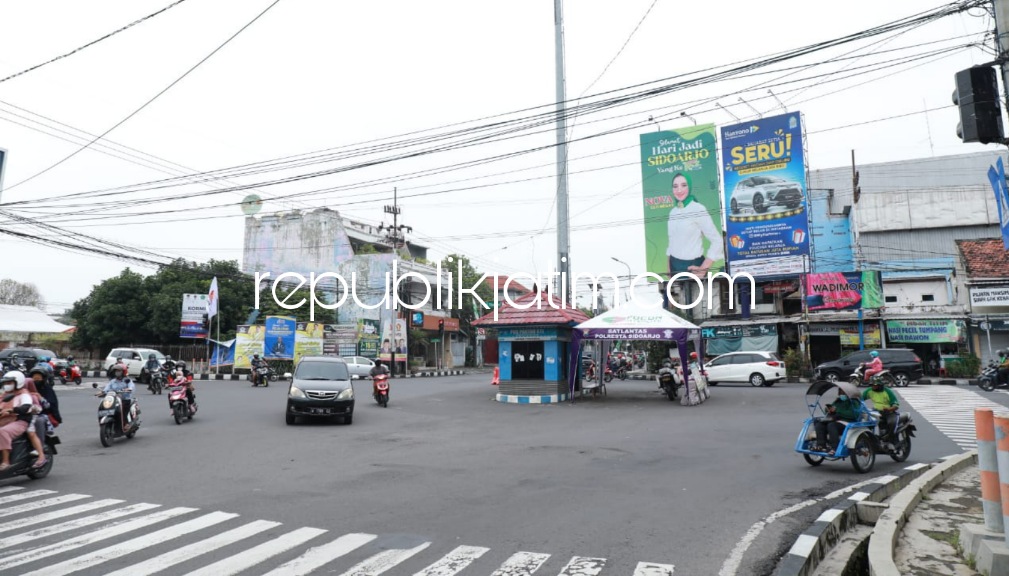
pixel 877 383
pixel 1001 352
pixel 121 368
pixel 45 358
pixel 37 370
pixel 874 354
pixel 13 376
pixel 168 358
pixel 255 356
pixel 693 355
pixel 152 357
pixel 70 358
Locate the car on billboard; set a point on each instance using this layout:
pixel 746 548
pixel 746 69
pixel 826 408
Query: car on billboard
pixel 760 193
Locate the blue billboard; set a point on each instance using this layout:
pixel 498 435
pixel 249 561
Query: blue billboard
pixel 279 340
pixel 998 184
pixel 766 201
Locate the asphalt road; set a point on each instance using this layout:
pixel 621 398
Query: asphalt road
pixel 628 478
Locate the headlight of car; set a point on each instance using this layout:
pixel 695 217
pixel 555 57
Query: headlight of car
pixel 296 392
pixel 346 394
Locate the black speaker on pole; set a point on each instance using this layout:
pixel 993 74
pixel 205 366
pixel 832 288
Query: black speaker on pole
pixel 977 96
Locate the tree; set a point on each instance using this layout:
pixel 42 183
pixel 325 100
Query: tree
pixel 15 293
pixel 471 309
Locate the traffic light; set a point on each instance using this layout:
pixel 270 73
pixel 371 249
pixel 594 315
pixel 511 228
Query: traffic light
pixel 441 328
pixel 977 96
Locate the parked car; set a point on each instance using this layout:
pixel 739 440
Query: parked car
pixel 359 366
pixel 134 358
pixel 762 192
pixel 757 368
pixel 903 363
pixel 321 387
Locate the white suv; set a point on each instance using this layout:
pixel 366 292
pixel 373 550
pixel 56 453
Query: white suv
pixel 757 368
pixel 134 358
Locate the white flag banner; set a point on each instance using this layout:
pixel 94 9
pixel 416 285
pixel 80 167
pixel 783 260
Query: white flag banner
pixel 212 299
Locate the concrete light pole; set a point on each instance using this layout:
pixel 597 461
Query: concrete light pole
pixel 630 277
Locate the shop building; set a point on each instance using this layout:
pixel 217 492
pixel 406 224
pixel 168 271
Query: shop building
pixel 987 266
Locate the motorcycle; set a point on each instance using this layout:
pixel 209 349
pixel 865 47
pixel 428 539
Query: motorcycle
pixel 178 401
pixel 380 386
pixel 668 384
pixel 988 380
pixel 74 375
pixel 858 440
pixel 155 379
pixel 857 378
pixel 111 419
pixel 262 375
pixel 22 460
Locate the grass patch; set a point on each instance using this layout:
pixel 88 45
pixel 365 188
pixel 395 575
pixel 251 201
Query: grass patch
pixel 951 538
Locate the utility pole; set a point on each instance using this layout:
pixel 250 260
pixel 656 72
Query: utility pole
pixel 395 238
pixel 563 226
pixel 1002 42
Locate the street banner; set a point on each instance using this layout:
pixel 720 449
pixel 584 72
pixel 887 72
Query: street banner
pixel 248 341
pixel 996 174
pixel 194 312
pixel 212 299
pixel 280 338
pixel 340 340
pixel 682 210
pixel 367 338
pixel 870 333
pixel 400 334
pixel 222 353
pixel 927 331
pixel 766 204
pixel 307 340
pixel 393 341
pixel 844 290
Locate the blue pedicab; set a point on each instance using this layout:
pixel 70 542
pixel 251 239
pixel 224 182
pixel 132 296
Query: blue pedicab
pixel 858 440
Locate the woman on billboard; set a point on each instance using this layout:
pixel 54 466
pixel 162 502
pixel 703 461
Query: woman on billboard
pixel 689 224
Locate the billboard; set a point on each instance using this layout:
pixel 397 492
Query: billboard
pixel 339 340
pixel 279 339
pixel 683 221
pixel 368 337
pixel 927 331
pixel 194 316
pixel 996 174
pixel 307 340
pixel 766 200
pixel 248 341
pixel 844 291
pixel 393 341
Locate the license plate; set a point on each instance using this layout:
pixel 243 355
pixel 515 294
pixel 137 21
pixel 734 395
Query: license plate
pixel 106 413
pixel 321 410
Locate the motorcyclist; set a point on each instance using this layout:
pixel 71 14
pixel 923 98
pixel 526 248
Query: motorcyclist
pixel 1003 367
pixel 830 427
pixel 182 380
pixel 151 368
pixel 256 363
pixel 120 383
pixel 667 371
pixel 378 368
pixel 874 367
pixel 169 365
pixel 44 364
pixel 885 401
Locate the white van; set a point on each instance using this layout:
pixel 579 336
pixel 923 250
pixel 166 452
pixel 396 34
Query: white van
pixel 134 358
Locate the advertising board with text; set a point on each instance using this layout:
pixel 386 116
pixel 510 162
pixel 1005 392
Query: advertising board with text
pixel 280 338
pixel 844 290
pixel 194 313
pixel 989 296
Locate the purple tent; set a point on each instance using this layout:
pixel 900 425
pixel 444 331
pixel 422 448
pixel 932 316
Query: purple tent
pixel 632 321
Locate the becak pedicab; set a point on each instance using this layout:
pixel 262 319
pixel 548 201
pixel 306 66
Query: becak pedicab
pixel 855 429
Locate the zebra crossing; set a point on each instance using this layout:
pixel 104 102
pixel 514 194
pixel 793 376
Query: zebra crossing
pixel 43 533
pixel 950 409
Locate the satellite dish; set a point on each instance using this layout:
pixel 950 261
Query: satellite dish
pixel 251 204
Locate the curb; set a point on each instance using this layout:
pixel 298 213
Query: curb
pixel 511 399
pixel 233 377
pixel 812 546
pixel 884 535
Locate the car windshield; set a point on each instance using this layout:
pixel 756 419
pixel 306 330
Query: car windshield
pixel 322 371
pixel 145 354
pixel 49 353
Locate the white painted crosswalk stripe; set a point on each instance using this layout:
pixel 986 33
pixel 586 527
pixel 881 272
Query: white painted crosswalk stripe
pixel 74 534
pixel 321 555
pixel 454 562
pixel 130 546
pixel 950 409
pixel 521 564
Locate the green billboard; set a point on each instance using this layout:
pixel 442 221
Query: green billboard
pixel 681 199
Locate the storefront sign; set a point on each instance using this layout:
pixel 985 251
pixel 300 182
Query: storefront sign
pixel 629 334
pixel 741 331
pixel 993 325
pixel 838 328
pixel 993 296
pixel 926 331
pixel 844 290
pixel 526 334
pixel 849 336
pixel 780 287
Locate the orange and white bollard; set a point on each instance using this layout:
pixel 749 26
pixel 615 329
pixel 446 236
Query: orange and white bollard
pixel 1002 449
pixel 988 464
pixel 497 376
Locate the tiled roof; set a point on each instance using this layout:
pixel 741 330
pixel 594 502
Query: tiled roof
pixel 986 258
pixel 543 314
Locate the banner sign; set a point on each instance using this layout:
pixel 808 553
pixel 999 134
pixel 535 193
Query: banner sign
pixel 849 336
pixel 393 346
pixel 307 340
pixel 368 338
pixel 194 313
pixel 683 215
pixel 992 325
pixel 526 334
pixel 766 204
pixel 994 296
pixel 221 355
pixel 926 331
pixel 248 341
pixel 844 290
pixel 338 337
pixel 996 174
pixel 742 331
pixel 279 339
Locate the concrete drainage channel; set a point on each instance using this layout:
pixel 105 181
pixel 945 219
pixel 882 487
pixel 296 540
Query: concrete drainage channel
pixel 858 535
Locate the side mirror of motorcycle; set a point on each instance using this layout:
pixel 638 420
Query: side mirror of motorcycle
pixel 94 384
pixel 287 375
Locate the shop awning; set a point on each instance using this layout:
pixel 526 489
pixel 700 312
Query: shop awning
pixel 28 320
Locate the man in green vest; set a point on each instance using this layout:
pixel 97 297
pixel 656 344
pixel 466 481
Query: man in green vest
pixel 885 401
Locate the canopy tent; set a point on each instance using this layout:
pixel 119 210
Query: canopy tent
pixel 28 320
pixel 633 321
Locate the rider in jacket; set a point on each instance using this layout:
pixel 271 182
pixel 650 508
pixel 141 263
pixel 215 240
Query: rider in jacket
pixel 874 367
pixel 256 362
pixel 120 383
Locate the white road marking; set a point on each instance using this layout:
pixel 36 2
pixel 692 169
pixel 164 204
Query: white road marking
pixel 454 562
pixel 652 569
pixel 18 557
pixel 803 545
pixel 258 554
pixel 22 523
pixel 521 564
pixel 383 561
pixel 581 566
pixel 130 546
pixel 32 506
pixel 25 496
pixel 73 525
pixel 178 556
pixel 950 409
pixel 321 555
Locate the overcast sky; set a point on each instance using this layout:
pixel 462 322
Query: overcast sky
pixel 313 75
